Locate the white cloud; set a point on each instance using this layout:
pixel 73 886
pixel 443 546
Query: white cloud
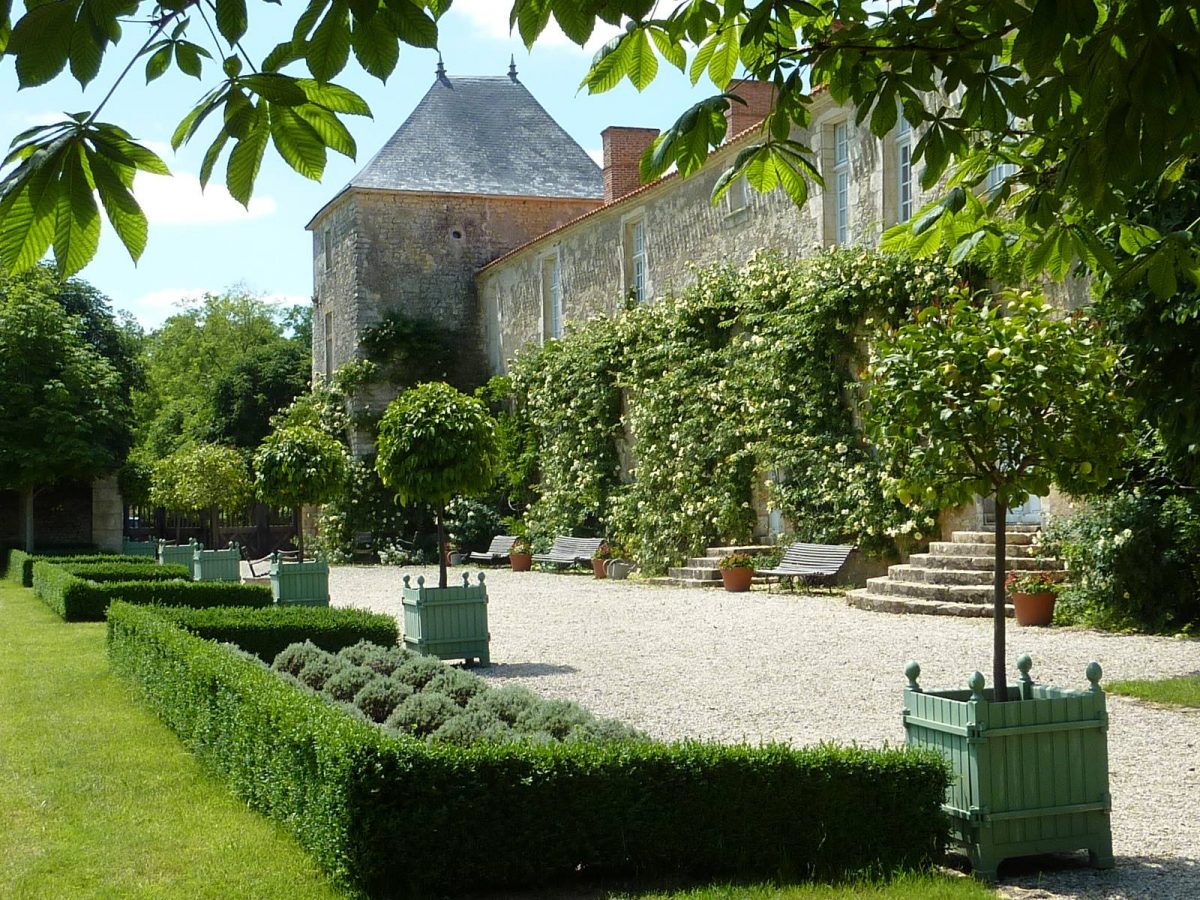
pixel 490 19
pixel 178 200
pixel 596 153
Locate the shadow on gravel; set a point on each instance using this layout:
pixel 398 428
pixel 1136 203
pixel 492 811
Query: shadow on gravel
pixel 526 670
pixel 1068 874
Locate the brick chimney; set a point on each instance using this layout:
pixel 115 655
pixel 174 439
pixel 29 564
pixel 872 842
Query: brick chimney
pixel 759 95
pixel 623 149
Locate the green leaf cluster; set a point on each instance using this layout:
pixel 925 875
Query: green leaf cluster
pixel 203 477
pixel 299 466
pixel 436 442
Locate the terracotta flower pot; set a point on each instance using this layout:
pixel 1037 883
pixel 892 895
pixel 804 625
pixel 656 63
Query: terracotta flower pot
pixel 521 562
pixel 598 568
pixel 1034 609
pixel 737 581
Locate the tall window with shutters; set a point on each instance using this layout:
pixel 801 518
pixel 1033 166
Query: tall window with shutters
pixel 841 182
pixel 904 171
pixel 552 297
pixel 637 269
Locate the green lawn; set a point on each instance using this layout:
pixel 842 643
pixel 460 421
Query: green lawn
pixel 1182 691
pixel 100 798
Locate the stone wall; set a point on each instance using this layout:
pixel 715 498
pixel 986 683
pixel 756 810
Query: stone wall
pixel 374 251
pixel 684 230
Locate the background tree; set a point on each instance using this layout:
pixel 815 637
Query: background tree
pixel 996 398
pixel 217 371
pixel 299 466
pixel 62 405
pixel 1059 89
pixel 436 442
pixel 206 477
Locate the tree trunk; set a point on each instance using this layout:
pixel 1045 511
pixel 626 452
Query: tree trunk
pixel 299 516
pixel 27 506
pixel 215 534
pixel 999 681
pixel 441 533
pixel 178 526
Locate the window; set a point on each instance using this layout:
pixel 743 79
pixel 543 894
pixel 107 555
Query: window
pixel 841 182
pixel 328 347
pixel 904 170
pixel 327 242
pixel 998 174
pixel 736 198
pixel 552 311
pixel 637 271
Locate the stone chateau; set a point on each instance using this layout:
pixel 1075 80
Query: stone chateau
pixel 482 214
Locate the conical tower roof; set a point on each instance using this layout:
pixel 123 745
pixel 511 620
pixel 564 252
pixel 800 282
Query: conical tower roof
pixel 482 135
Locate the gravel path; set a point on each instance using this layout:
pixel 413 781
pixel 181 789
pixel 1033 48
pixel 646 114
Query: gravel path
pixel 802 669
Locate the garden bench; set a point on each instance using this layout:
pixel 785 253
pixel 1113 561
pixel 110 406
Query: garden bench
pixel 811 563
pixel 497 551
pixel 364 545
pixel 265 562
pixel 570 551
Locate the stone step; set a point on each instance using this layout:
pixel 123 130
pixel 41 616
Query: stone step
pixel 989 537
pixel 703 562
pixel 671 581
pixel 867 599
pixel 949 593
pixel 939 576
pixel 953 548
pixel 752 549
pixel 694 574
pixel 934 561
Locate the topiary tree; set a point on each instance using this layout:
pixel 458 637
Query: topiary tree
pixel 996 398
pixel 206 477
pixel 436 442
pixel 299 466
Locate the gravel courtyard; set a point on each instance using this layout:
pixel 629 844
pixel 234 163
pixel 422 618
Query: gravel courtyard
pixel 802 669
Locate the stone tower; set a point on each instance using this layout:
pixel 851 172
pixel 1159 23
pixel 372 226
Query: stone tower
pixel 478 169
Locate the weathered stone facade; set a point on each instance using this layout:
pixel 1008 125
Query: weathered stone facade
pixel 683 230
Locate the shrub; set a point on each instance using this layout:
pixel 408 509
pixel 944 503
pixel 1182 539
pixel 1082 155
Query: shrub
pixel 456 684
pixel 474 726
pixel 319 669
pixel 126 571
pixel 345 685
pixel 379 698
pixel 291 660
pixel 386 660
pixel 358 653
pixel 266 632
pixel 419 670
pixel 422 714
pixel 401 818
pixel 1133 563
pixel 79 600
pixel 509 704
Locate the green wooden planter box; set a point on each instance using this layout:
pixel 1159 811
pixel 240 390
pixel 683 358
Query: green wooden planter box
pixel 450 622
pixel 1030 775
pixel 179 555
pixel 138 548
pixel 300 583
pixel 217 565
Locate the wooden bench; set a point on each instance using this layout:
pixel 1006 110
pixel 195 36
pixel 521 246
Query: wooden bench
pixel 811 563
pixel 570 551
pixel 363 546
pixel 265 562
pixel 497 551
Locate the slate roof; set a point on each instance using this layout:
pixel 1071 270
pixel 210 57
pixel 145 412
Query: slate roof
pixel 482 135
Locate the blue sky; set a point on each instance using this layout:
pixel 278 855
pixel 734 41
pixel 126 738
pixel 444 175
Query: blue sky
pixel 208 242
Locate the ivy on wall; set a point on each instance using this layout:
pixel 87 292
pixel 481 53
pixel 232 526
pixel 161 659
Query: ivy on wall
pixel 750 373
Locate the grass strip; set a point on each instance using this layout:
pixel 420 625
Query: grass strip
pixel 101 799
pixel 1181 691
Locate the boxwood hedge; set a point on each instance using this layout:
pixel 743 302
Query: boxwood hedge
pixel 79 600
pixel 266 632
pixel 129 569
pixel 394 816
pixel 19 567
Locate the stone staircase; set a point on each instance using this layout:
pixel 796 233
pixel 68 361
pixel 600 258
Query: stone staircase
pixel 703 571
pixel 954 578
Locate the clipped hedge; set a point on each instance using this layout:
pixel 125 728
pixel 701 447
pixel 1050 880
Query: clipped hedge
pixel 79 600
pixel 393 816
pixel 266 632
pixel 149 570
pixel 20 563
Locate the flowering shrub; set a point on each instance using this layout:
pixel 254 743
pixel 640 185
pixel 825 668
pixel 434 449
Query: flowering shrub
pixel 751 372
pixel 471 523
pixel 1133 562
